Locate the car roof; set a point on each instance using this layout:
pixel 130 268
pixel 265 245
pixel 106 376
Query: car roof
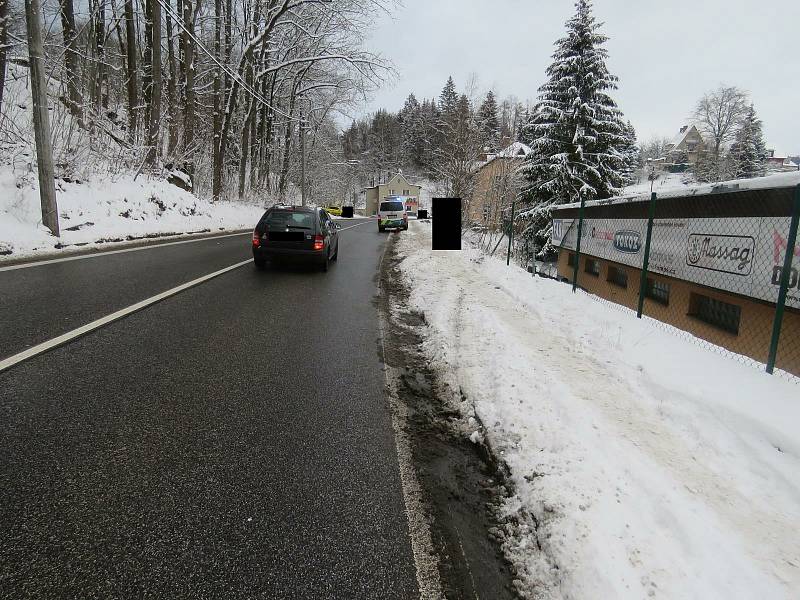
pixel 294 208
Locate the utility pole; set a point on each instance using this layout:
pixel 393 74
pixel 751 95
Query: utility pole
pixel 302 160
pixel 41 118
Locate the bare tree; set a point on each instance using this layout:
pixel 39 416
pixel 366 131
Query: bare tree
pixel 188 71
pixel 718 115
pixel 3 45
pixel 153 91
pixel 131 68
pixel 71 55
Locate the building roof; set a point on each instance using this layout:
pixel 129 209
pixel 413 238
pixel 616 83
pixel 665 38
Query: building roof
pixel 687 129
pixel 736 185
pixel 515 150
pixel 400 175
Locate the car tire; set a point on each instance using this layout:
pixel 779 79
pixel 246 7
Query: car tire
pixel 326 263
pixel 381 229
pixel 260 263
pixel 336 256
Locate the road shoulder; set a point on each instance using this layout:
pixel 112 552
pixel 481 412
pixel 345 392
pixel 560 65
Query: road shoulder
pixel 458 485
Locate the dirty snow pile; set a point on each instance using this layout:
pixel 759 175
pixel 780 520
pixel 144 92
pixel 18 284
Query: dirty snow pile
pixel 109 208
pixel 652 467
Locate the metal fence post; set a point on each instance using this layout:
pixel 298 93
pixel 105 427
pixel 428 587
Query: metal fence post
pixel 646 259
pixel 578 245
pixel 510 233
pixel 791 241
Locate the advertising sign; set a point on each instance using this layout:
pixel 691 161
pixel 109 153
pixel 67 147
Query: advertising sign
pixel 743 255
pixel 560 228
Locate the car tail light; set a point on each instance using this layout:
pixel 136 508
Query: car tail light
pixel 319 242
pixel 256 238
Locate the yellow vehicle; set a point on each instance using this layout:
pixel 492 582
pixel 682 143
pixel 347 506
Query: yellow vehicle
pixel 333 210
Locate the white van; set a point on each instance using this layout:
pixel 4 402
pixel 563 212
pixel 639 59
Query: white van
pixel 392 215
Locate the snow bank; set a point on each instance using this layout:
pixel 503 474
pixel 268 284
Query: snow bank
pixel 653 467
pixel 107 209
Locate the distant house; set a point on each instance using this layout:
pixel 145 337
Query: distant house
pixel 398 185
pixel 780 163
pixel 497 183
pixel 686 146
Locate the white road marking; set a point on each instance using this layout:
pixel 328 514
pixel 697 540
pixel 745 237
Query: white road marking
pixel 356 225
pixel 39 263
pixel 89 327
pixel 51 261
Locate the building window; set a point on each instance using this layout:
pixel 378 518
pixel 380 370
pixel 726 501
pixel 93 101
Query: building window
pixel 592 267
pixel 487 211
pixel 405 193
pixel 617 276
pixel 658 291
pixel 715 312
pixel 571 259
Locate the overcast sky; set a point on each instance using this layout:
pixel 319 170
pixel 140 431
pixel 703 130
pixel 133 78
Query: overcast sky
pixel 666 54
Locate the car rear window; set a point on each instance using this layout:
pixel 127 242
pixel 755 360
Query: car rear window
pixel 281 219
pixel 389 206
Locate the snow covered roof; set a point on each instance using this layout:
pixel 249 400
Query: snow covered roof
pixel 686 130
pixel 515 150
pixel 777 180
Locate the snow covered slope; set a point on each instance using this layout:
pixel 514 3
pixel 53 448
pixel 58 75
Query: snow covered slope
pixel 99 198
pixel 654 468
pixel 107 209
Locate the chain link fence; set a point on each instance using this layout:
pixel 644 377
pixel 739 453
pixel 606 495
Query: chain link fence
pixel 721 268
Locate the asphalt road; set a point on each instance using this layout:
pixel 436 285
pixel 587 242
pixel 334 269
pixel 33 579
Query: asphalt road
pixel 232 441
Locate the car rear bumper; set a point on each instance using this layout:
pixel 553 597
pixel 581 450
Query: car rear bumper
pixel 267 252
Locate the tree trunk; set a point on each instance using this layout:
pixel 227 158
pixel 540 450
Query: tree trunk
pixel 101 82
pixel 3 42
pixel 132 85
pixel 154 71
pixel 74 97
pixel 266 148
pixel 172 96
pixel 228 41
pixel 187 44
pixel 287 148
pixel 246 141
pixel 218 141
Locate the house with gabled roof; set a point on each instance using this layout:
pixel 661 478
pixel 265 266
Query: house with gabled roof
pixel 397 185
pixel 688 144
pixel 497 183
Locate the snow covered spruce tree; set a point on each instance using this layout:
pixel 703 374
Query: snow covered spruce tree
pixel 748 152
pixel 577 132
pixel 630 155
pixel 488 121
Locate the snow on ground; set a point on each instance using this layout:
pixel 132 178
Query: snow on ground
pixel 664 182
pixel 107 208
pixel 655 468
pixel 671 185
pixel 98 195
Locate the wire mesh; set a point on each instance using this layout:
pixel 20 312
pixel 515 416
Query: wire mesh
pixel 714 267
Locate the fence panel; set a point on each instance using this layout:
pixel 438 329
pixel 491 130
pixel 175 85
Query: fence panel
pixel 716 267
